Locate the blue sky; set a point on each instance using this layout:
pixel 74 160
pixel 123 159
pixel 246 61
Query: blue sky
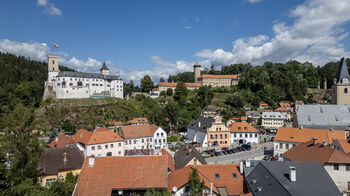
pixel 162 37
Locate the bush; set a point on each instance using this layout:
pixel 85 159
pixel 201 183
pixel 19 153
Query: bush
pixel 173 138
pixel 140 97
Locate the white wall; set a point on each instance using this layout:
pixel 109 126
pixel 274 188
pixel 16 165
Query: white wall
pixel 197 136
pixel 280 147
pixel 139 143
pixel 160 139
pixel 101 151
pixel 253 138
pixel 340 177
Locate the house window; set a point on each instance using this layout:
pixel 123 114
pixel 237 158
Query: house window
pixel 129 141
pixel 119 144
pixel 234 135
pixel 217 176
pixel 155 141
pixel 135 141
pixel 220 136
pixel 99 147
pixel 119 152
pixel 240 135
pixel 187 189
pixel 111 145
pixel 346 90
pixel 93 148
pixel 106 146
pixel 347 167
pixel 256 135
pixel 157 134
pixel 126 142
pixel 287 146
pixel 161 134
pixel 336 166
pixel 225 136
pixel 281 146
pixel 143 140
pixel 234 175
pixel 163 140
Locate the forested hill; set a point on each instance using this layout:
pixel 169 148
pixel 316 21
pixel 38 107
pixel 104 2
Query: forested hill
pixel 21 81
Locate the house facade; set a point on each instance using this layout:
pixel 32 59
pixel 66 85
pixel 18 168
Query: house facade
pixel 218 80
pixel 341 85
pixel 164 86
pixel 243 132
pixel 197 130
pixel 272 120
pixel 218 134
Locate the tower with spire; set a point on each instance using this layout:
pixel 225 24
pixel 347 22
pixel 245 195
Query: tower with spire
pixel 197 71
pixel 341 85
pixel 104 70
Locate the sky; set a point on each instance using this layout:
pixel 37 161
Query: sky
pixel 163 37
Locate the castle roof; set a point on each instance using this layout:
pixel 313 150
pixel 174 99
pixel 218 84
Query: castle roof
pixel 104 67
pixel 86 75
pixel 218 76
pixel 342 72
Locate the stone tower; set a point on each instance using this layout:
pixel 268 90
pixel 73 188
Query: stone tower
pixel 341 85
pixel 197 71
pixel 52 61
pixel 104 70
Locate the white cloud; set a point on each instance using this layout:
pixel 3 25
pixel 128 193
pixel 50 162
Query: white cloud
pixel 314 36
pixel 34 50
pixel 49 7
pixel 253 1
pixel 188 27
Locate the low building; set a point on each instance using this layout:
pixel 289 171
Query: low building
pixel 218 134
pixel 137 121
pixel 273 120
pixel 171 161
pixel 287 137
pixel 197 130
pixel 342 145
pixel 290 178
pixel 336 163
pixel 104 142
pixel 218 180
pixel 243 132
pixel 61 141
pixel 254 115
pixel 164 86
pixel 132 175
pixel 218 80
pixel 285 113
pixel 113 125
pixel 57 162
pixel 187 155
pixel 323 116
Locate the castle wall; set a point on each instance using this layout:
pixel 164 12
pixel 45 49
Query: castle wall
pixel 341 94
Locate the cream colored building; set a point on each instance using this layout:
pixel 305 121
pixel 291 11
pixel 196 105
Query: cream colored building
pixel 218 133
pixel 272 120
pixel 218 80
pixel 341 85
pixel 164 86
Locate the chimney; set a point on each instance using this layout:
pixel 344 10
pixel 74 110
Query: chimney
pixel 195 163
pixel 199 124
pixel 64 158
pixel 247 163
pixel 324 144
pixel 56 139
pixel 332 129
pixel 314 141
pixel 91 160
pixel 301 127
pixel 292 174
pixel 241 167
pixel 81 134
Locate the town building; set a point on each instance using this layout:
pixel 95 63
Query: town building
pixel 61 141
pixel 254 115
pixel 272 120
pixel 341 85
pixel 323 116
pixel 113 125
pixel 164 86
pixel 188 155
pixel 336 163
pixel 130 175
pixel 197 131
pixel 218 134
pixel 144 139
pixel 342 145
pixel 218 180
pixel 285 113
pixel 243 132
pixel 290 178
pixel 56 163
pixel 171 161
pixel 137 121
pixel 70 84
pixel 287 137
pixel 218 80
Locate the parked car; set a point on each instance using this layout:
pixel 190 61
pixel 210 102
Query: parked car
pixel 217 153
pixel 247 146
pixel 224 152
pixel 266 158
pixel 224 148
pixel 228 152
pixel 273 158
pixel 232 150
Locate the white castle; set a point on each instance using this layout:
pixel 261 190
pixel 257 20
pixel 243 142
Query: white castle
pixel 74 85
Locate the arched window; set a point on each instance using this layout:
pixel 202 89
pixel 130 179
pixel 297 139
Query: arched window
pixel 109 154
pixel 346 90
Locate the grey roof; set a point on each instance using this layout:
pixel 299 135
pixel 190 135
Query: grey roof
pixel 342 72
pixel 87 75
pixel 272 178
pixel 324 116
pixel 252 113
pixel 185 154
pixel 104 67
pixel 201 124
pixel 272 115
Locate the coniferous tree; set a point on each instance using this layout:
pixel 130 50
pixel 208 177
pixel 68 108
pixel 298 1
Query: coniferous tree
pixel 196 186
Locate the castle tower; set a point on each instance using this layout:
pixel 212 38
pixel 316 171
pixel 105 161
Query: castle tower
pixel 52 61
pixel 197 71
pixel 104 70
pixel 341 85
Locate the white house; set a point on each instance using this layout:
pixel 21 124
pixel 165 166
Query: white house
pixel 69 84
pixel 243 132
pixel 197 130
pixel 273 120
pixel 104 142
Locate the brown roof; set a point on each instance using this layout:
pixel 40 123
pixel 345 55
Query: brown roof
pixel 292 134
pixel 52 160
pixel 285 105
pixel 103 135
pixel 174 84
pixel 309 152
pixel 82 136
pixel 137 120
pixel 243 127
pixel 282 109
pixel 221 175
pixel 218 76
pixel 138 131
pixel 345 144
pixel 244 118
pixel 62 140
pixel 171 164
pixel 115 123
pixel 120 173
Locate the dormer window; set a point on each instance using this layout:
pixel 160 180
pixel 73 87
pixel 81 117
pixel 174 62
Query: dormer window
pixel 217 176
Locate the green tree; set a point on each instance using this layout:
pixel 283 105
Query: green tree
pixel 171 112
pixel 169 92
pixel 161 79
pixel 181 93
pixel 236 101
pixel 147 83
pixel 196 186
pixel 68 127
pixel 157 193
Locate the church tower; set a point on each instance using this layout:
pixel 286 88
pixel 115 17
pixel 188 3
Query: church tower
pixel 104 70
pixel 341 85
pixel 52 61
pixel 197 71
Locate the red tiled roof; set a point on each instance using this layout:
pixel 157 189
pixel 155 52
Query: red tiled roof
pixel 281 109
pixel 103 135
pixel 62 140
pixel 285 105
pixel 138 131
pixel 218 76
pixel 345 144
pixel 292 134
pixel 137 120
pixel 171 164
pixel 244 118
pixel 82 136
pixel 193 84
pixel 241 127
pixel 115 173
pixel 174 84
pixel 309 152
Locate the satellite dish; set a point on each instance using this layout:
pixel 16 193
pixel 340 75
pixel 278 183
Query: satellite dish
pixel 174 189
pixel 120 192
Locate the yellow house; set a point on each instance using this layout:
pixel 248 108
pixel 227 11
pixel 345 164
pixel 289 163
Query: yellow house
pixel 56 163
